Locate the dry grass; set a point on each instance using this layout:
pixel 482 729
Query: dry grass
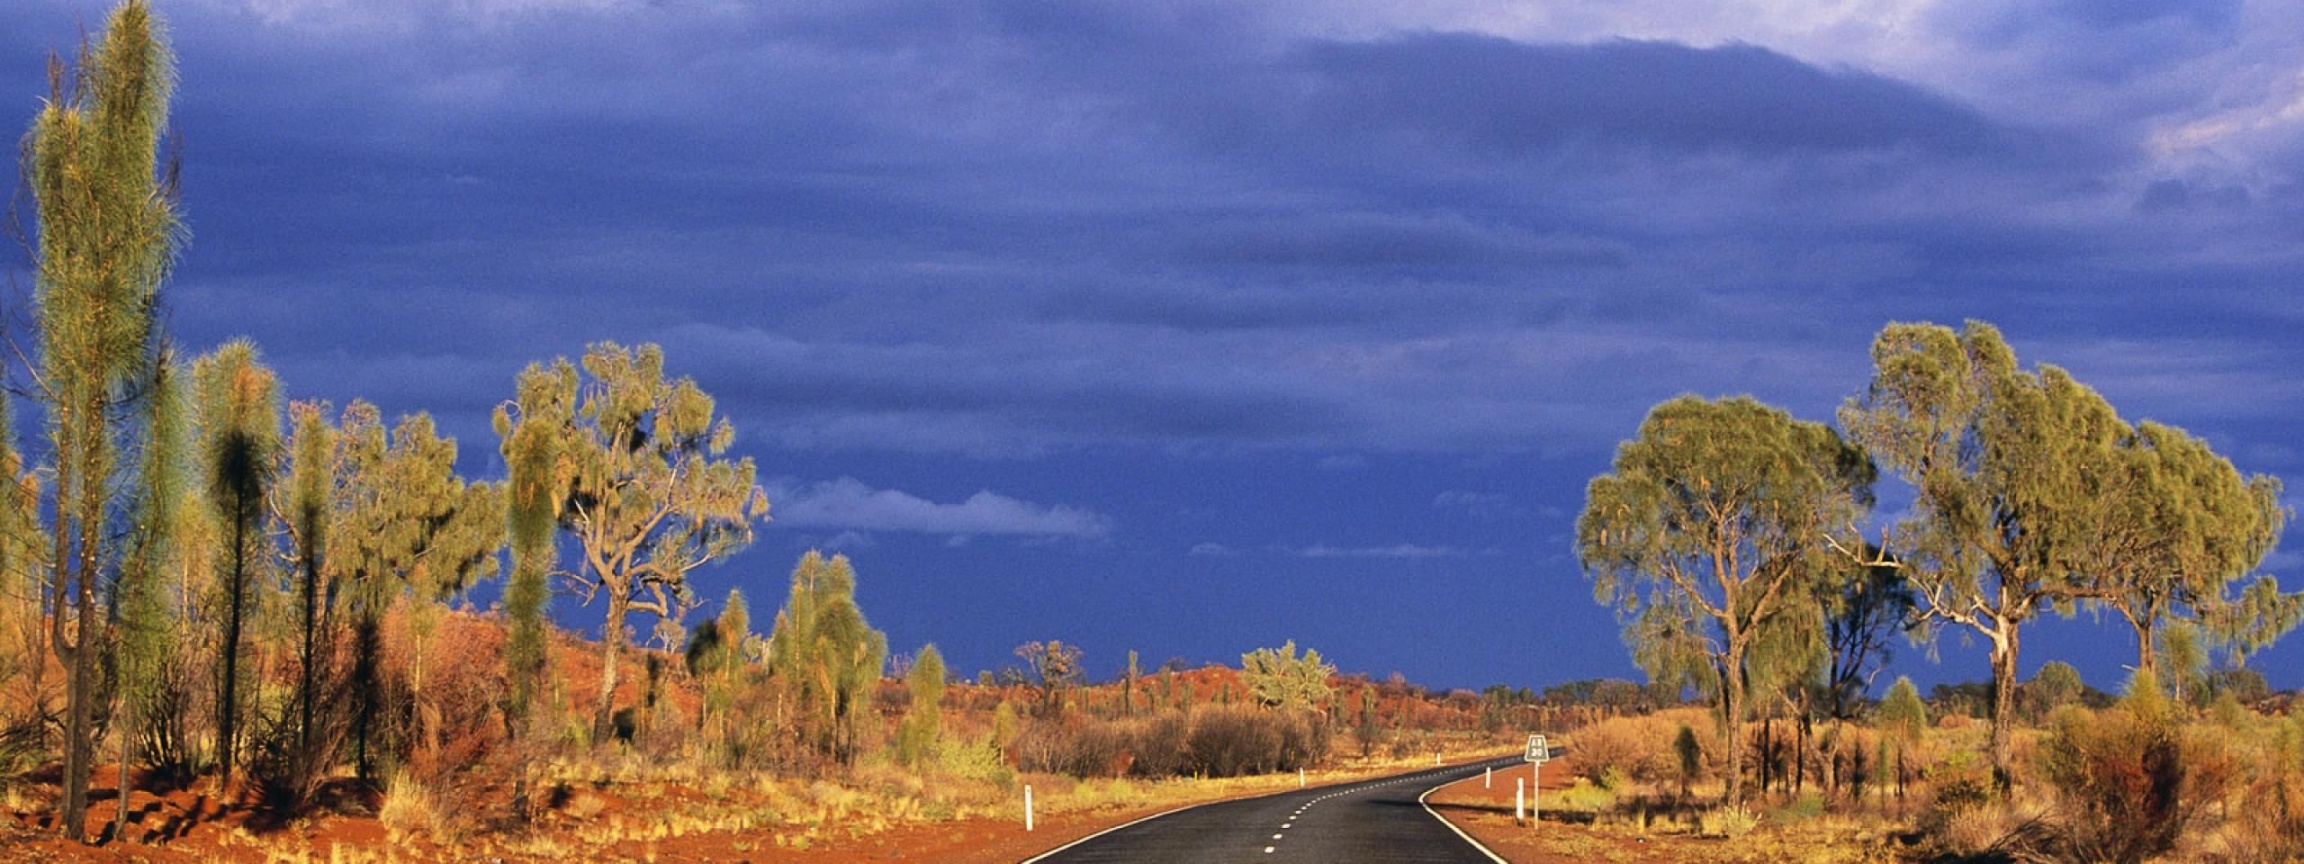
pixel 409 810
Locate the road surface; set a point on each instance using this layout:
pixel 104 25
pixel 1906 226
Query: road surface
pixel 1371 820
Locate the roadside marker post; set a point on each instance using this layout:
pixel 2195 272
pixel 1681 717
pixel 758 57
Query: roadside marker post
pixel 1027 809
pixel 1519 799
pixel 1488 777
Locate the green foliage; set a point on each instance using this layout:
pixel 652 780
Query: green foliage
pixel 641 481
pixel 532 457
pixel 2056 685
pixel 1902 715
pixel 405 526
pixel 2189 527
pixel 2008 465
pixel 977 759
pixel 299 759
pixel 106 236
pixel 151 659
pixel 1709 536
pixel 2185 657
pixel 924 718
pixel 239 423
pixel 1581 797
pixel 825 657
pixel 1280 679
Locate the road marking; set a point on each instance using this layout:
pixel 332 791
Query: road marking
pixel 1268 849
pixel 1484 850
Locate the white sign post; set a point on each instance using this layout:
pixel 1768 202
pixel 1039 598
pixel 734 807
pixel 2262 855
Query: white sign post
pixel 1536 756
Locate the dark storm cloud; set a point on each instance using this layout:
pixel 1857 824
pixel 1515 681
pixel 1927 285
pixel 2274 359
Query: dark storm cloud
pixel 1025 225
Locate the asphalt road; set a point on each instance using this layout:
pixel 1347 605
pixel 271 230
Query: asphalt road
pixel 1378 820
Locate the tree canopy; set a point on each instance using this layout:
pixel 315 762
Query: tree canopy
pixel 1712 529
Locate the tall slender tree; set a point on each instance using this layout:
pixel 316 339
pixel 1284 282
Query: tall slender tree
pixel 824 657
pixel 2014 471
pixel 239 411
pixel 314 478
pixel 924 717
pixel 107 235
pixel 1711 530
pixel 148 653
pixel 646 490
pixel 531 496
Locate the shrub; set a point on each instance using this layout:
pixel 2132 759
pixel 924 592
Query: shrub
pixel 977 759
pixel 1231 742
pixel 2271 827
pixel 1073 745
pixel 1729 822
pixel 2125 781
pixel 1582 797
pixel 408 809
pixel 1161 743
pixel 1636 747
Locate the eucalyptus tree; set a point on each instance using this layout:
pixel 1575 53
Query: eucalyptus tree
pixel 1863 615
pixel 239 433
pixel 2013 471
pixel 107 236
pixel 2188 527
pixel 1710 532
pixel 645 486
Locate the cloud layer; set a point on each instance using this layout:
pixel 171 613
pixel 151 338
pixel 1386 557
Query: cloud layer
pixel 848 504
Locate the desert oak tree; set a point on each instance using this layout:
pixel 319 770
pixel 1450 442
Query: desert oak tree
pixel 645 487
pixel 1712 524
pixel 2013 470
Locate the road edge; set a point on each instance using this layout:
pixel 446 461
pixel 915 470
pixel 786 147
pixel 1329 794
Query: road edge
pixel 1129 824
pixel 1171 812
pixel 1476 844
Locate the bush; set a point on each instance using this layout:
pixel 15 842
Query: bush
pixel 1635 747
pixel 977 759
pixel 1074 745
pixel 1729 822
pixel 1161 743
pixel 1210 742
pixel 2126 781
pixel 1582 797
pixel 2271 827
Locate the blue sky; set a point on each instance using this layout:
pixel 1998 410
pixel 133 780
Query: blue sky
pixel 1193 327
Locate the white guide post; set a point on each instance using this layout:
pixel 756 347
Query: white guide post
pixel 1027 809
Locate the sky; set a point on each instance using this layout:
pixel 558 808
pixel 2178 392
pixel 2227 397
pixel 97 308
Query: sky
pixel 1192 327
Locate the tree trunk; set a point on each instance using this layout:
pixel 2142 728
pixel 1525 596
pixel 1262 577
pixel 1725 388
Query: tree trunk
pixel 228 693
pixel 78 749
pixel 611 646
pixel 1732 702
pixel 2146 660
pixel 2003 704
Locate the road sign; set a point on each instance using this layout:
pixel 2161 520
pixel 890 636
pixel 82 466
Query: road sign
pixel 1537 752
